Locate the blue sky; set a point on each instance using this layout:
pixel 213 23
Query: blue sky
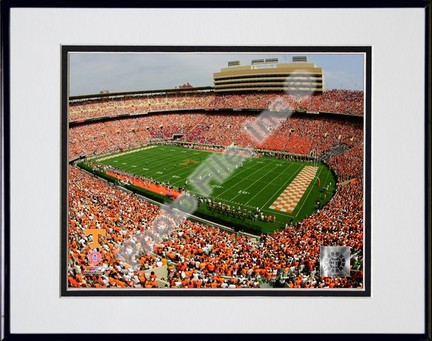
pixel 92 72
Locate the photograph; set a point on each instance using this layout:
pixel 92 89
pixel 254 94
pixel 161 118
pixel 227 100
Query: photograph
pixel 213 171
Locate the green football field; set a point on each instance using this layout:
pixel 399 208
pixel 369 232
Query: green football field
pixel 258 182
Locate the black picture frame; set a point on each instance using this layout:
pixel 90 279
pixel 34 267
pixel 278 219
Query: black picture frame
pixel 6 76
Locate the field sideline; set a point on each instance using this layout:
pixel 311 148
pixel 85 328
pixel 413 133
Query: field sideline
pixel 257 183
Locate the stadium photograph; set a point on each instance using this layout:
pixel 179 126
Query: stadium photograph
pixel 215 172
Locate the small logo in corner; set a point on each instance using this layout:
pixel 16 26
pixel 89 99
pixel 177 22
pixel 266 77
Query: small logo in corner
pixel 335 261
pixel 94 258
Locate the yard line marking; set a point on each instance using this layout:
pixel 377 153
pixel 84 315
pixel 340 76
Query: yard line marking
pixel 176 170
pixel 290 197
pixel 167 158
pixel 124 153
pixel 170 159
pixel 254 181
pixel 242 171
pixel 271 182
pixel 265 165
pixel 157 162
pixel 145 160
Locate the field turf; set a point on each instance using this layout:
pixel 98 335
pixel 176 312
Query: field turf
pixel 257 183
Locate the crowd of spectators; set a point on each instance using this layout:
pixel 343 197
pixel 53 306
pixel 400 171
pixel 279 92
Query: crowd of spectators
pixel 337 101
pixel 138 105
pixel 106 137
pixel 298 135
pixel 94 204
pixel 312 135
pixel 349 164
pixel 198 255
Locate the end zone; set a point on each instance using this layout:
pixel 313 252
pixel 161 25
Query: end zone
pixel 290 197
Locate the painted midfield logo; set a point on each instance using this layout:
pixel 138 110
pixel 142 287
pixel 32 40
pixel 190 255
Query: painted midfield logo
pixel 335 261
pixel 187 162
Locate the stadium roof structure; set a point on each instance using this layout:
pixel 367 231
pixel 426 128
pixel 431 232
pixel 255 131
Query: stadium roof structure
pixel 107 94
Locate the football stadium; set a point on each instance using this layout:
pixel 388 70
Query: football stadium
pixel 234 185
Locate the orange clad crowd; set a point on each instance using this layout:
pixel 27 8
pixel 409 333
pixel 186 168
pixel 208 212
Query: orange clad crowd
pixel 203 256
pixel 297 135
pixel 337 101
